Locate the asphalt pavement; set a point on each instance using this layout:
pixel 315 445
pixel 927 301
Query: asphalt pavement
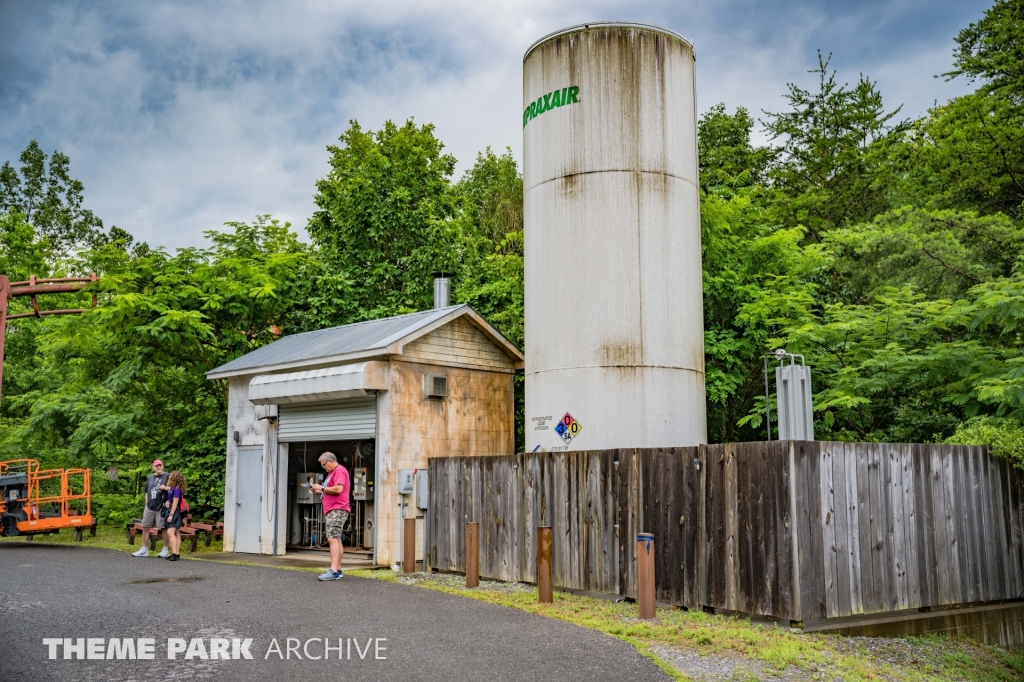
pixel 385 631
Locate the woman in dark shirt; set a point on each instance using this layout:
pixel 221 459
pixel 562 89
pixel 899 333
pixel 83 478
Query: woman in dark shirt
pixel 175 512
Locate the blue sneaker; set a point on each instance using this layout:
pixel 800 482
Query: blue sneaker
pixel 330 575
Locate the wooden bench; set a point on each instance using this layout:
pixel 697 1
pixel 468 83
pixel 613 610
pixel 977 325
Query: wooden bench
pixel 135 527
pixel 189 531
pixel 186 531
pixel 210 530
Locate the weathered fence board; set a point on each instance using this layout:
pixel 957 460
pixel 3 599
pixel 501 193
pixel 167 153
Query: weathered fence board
pixel 670 479
pixel 872 527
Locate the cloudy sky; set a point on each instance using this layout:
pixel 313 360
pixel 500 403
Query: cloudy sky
pixel 179 116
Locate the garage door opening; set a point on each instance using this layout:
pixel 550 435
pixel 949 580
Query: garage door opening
pixel 306 525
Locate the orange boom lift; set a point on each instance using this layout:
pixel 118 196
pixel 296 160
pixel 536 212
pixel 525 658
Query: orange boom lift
pixel 34 501
pixel 42 501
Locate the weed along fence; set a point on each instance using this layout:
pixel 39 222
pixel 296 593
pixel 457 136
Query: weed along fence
pixel 793 530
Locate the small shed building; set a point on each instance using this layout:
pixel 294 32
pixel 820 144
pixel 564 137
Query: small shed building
pixel 384 396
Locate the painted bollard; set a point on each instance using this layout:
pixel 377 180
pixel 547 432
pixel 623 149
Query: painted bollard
pixel 544 594
pixel 645 574
pixel 473 554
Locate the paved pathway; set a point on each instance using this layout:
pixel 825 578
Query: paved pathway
pixel 70 592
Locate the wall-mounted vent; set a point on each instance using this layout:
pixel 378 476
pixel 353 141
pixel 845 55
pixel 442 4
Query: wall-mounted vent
pixel 436 385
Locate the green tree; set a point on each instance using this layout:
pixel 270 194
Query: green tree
pixel 726 157
pixel 47 197
pixel 385 222
pixel 993 50
pixel 491 220
pixel 942 254
pixel 125 383
pixel 834 166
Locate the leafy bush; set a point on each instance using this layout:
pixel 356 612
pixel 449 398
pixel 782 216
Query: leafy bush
pixel 1004 437
pixel 116 508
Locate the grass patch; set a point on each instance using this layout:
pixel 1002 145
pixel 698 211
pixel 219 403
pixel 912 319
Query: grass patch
pixel 109 537
pixel 752 650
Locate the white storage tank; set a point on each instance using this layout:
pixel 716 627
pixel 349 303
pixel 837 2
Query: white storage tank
pixel 614 318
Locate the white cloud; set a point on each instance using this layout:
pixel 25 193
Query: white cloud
pixel 181 116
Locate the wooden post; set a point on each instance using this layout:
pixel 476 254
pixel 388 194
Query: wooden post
pixel 645 574
pixel 409 548
pixel 544 565
pixel 473 554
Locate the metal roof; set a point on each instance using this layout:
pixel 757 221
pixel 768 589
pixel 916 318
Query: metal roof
pixel 325 343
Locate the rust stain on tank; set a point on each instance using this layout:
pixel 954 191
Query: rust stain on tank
pixel 620 354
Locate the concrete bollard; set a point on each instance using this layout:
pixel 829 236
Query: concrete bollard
pixel 473 554
pixel 544 595
pixel 645 574
pixel 409 549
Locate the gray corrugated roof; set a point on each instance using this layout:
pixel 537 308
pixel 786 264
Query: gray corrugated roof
pixel 350 338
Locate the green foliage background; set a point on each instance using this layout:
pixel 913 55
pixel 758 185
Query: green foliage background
pixel 888 251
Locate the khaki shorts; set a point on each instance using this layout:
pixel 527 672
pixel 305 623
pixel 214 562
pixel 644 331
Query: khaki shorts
pixel 152 519
pixel 336 519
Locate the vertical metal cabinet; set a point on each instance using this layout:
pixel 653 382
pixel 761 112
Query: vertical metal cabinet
pixel 796 409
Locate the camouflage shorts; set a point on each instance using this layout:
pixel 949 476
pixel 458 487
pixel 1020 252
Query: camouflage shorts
pixel 336 519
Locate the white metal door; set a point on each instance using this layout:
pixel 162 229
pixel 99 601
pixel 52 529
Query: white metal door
pixel 336 420
pixel 249 499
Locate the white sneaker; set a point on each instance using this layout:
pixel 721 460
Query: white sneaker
pixel 144 551
pixel 164 553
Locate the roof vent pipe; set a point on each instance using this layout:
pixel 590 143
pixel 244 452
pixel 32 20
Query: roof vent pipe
pixel 442 290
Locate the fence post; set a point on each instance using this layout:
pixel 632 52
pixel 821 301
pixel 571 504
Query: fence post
pixel 409 550
pixel 645 574
pixel 544 595
pixel 473 554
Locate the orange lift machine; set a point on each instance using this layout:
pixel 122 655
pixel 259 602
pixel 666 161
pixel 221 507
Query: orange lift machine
pixel 34 501
pixel 43 501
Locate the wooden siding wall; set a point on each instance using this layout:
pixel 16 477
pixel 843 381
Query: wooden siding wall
pixel 458 344
pixel 878 527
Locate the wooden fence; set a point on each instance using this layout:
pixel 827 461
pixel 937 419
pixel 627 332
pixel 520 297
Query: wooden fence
pixel 786 529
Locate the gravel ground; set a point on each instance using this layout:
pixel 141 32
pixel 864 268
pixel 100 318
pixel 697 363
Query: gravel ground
pixel 716 667
pixel 454 581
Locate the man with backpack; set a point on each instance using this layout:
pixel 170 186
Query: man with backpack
pixel 156 495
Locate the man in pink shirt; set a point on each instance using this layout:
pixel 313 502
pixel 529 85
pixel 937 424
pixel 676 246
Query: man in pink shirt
pixel 335 492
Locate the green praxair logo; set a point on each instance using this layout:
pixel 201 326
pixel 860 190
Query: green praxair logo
pixel 558 98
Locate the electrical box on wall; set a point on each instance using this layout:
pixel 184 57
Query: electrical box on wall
pixel 303 494
pixel 422 490
pixel 405 481
pixel 362 485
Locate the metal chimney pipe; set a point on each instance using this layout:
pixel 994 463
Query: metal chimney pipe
pixel 442 290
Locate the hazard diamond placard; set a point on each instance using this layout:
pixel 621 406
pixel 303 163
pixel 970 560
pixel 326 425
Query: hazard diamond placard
pixel 568 427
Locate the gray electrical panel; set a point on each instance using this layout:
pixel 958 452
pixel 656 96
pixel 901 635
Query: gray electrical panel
pixel 303 494
pixel 422 490
pixel 362 484
pixel 796 404
pixel 405 483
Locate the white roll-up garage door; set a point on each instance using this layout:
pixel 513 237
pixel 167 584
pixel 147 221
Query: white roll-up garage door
pixel 336 420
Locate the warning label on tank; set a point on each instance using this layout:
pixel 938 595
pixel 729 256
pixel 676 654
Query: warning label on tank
pixel 568 428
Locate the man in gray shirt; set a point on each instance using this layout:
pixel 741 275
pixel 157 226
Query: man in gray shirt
pixel 156 495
